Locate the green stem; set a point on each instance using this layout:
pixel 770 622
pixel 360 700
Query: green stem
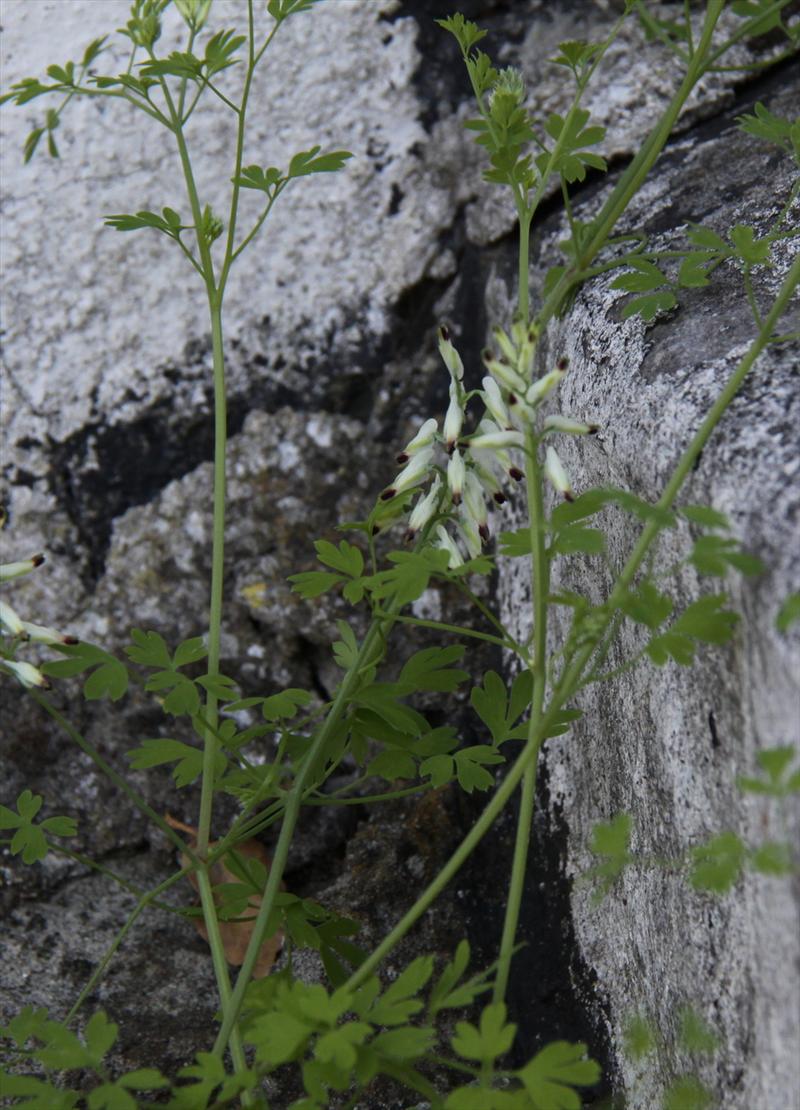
pixel 540 589
pixel 291 814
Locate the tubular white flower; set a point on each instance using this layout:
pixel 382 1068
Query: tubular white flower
pixel 422 439
pixel 27 673
pixel 11 620
pixel 25 566
pixel 453 420
pixel 505 343
pixel 451 357
pixel 424 509
pixel 493 401
pixel 556 473
pixel 570 427
pixel 497 439
pixel 482 462
pixel 543 386
pixel 448 544
pixel 455 476
pixel 44 635
pixel 411 476
pixel 475 504
pixel 522 415
pixel 503 374
pixel 470 536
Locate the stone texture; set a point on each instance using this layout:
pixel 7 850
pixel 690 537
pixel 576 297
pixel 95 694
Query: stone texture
pixel 331 365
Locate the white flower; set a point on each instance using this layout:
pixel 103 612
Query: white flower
pixel 503 373
pixel 11 620
pixel 44 635
pixel 422 439
pixel 453 419
pixel 411 476
pixel 556 473
pixel 493 401
pixel 475 505
pixel 27 673
pixel 455 476
pixel 452 359
pixel 14 570
pixel 522 415
pixel 424 509
pixel 469 534
pixel 446 543
pixel 570 427
pixel 543 386
pixel 495 439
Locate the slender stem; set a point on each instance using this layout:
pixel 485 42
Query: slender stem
pixel 540 590
pixel 291 814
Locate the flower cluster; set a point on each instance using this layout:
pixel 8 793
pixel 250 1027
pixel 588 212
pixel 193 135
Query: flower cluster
pixel 21 631
pixel 478 465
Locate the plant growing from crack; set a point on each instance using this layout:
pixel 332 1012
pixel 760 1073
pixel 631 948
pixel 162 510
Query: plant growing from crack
pixel 451 479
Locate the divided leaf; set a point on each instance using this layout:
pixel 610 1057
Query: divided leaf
pixel 553 1074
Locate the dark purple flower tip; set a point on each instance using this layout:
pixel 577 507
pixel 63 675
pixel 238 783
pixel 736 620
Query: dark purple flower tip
pixel 402 458
pixel 484 533
pixel 500 498
pixel 444 332
pixel 388 494
pixel 562 363
pixel 516 474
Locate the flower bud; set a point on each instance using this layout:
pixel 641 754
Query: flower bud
pixel 446 543
pixel 503 373
pixel 455 476
pixel 423 437
pixel 424 509
pixel 556 473
pixel 25 566
pixel 453 420
pixel 450 355
pixel 522 415
pixel 411 476
pixel 470 536
pixel 496 439
pixel 570 427
pixel 27 673
pixel 475 505
pixel 505 344
pixel 493 401
pixel 44 635
pixel 9 618
pixel 539 390
pixel 486 475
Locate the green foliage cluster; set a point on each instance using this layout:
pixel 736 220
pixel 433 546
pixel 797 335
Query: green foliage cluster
pixel 338 1037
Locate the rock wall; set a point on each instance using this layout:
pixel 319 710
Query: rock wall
pixel 331 363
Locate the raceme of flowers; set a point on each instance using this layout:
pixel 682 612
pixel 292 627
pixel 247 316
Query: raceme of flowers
pixel 22 631
pixel 460 489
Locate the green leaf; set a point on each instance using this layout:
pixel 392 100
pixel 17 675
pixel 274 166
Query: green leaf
pixel 339 1045
pixel 430 669
pixel 716 554
pixel 776 763
pixel 772 858
pixel 639 1038
pixel 647 606
pixel 788 613
pixel 568 541
pixel 406 1043
pixel 144 219
pixel 282 9
pixel 751 251
pixel 705 516
pixel 307 162
pixel 695 1034
pixel 706 620
pixel 553 1074
pixel 190 651
pixel 150 649
pixel 648 307
pixel 143 1079
pixel 492 1039
pixel 314 583
pixel 345 651
pixel 693 271
pixel 466 33
pixel 393 764
pixel 398 1002
pixel 60 826
pixel 707 239
pixel 687 1093
pixel 112 681
pixel 409 577
pixel 220 50
pixel 643 277
pixel 611 842
pixel 716 865
pixel 765 125
pixel 254 177
pixel 471 767
pixel 671 646
pixel 489 702
pixel 188 760
pixel 448 992
pixel 515 544
pixel 345 558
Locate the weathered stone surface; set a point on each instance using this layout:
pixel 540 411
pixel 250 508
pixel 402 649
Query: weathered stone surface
pixel 331 364
pixel 666 745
